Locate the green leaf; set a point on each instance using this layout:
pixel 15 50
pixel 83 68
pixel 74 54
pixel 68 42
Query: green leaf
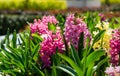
pixel 72 63
pixel 14 52
pixel 35 52
pixel 81 45
pixel 61 20
pixel 37 37
pixel 14 39
pixel 66 45
pixel 38 70
pixel 8 72
pixel 7 37
pixel 19 56
pixel 19 65
pixel 13 60
pixel 22 38
pixel 2 43
pixel 9 54
pixel 67 69
pixel 94 56
pixel 32 45
pixel 56 59
pixel 98 36
pixel 90 70
pixel 51 27
pixel 54 72
pixel 75 56
pixel 101 63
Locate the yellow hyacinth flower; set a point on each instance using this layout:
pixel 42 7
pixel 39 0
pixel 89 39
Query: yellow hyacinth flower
pixel 103 42
pixel 103 26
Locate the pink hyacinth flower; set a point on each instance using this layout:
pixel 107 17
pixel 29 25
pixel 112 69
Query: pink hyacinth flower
pixel 117 69
pixel 73 28
pixel 110 71
pixel 115 47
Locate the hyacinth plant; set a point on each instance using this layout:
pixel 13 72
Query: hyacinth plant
pixel 114 69
pixel 82 58
pixel 57 46
pixel 19 56
pixel 74 48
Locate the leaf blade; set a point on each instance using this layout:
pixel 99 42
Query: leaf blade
pixel 94 56
pixel 71 62
pixel 67 69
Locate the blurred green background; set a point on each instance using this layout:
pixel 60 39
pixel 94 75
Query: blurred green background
pixel 41 4
pixel 111 1
pixel 32 4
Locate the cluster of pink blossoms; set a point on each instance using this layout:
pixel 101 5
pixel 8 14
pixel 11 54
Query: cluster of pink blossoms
pixel 114 52
pixel 73 28
pixel 41 26
pixel 51 42
pixel 115 47
pixel 112 71
pixel 49 46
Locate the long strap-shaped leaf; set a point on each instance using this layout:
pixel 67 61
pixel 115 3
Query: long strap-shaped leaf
pixel 37 69
pixel 35 51
pixel 72 63
pixel 81 45
pixel 94 56
pixel 101 63
pixel 75 56
pixel 14 40
pixel 90 70
pixel 67 69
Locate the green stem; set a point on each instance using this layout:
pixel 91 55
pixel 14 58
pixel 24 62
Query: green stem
pixel 86 54
pixel 46 73
pixel 66 45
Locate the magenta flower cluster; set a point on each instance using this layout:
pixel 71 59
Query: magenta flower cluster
pixel 49 46
pixel 73 28
pixel 41 26
pixel 115 47
pixel 51 42
pixel 112 70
